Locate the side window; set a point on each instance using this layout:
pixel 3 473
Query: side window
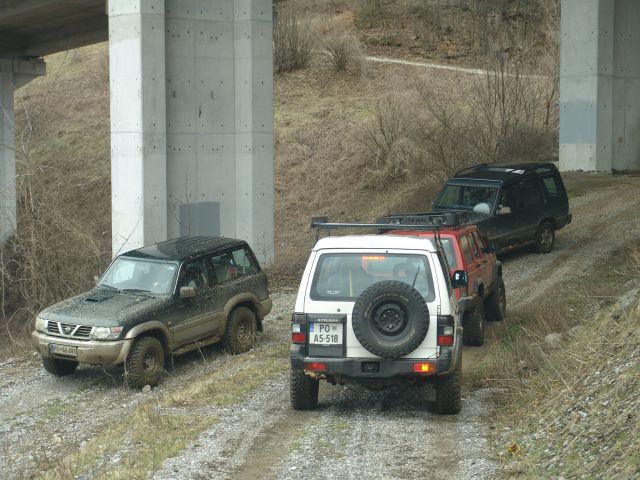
pixel 445 269
pixel 243 261
pixel 193 274
pixel 474 246
pixel 230 265
pixel 530 193
pixel 550 189
pixel 466 250
pixel 478 241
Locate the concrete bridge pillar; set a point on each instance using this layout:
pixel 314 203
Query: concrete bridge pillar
pixel 13 74
pixel 600 85
pixel 192 121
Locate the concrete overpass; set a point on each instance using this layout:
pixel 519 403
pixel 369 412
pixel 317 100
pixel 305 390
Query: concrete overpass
pixel 191 110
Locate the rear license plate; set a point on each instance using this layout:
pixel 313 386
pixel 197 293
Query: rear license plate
pixel 63 350
pixel 325 333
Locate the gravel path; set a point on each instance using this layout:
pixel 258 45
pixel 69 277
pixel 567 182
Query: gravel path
pixel 355 432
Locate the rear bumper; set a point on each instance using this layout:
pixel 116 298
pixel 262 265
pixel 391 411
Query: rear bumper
pixel 376 371
pixel 93 352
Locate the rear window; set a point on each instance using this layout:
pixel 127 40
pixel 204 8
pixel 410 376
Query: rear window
pixel 344 276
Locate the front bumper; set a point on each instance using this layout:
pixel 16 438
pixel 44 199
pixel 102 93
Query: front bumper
pixel 94 352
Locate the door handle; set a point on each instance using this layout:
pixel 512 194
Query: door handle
pixel 209 297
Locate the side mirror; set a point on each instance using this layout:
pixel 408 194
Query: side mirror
pixel 459 279
pixel 187 292
pixel 96 278
pixel 504 210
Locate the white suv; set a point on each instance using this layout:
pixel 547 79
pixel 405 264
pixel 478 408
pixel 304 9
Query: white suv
pixel 377 310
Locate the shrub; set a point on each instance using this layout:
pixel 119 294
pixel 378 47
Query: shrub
pixel 292 40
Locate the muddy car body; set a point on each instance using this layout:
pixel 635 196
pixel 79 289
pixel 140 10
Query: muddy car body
pixel 512 203
pixel 155 301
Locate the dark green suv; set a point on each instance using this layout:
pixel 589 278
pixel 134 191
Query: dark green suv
pixel 160 300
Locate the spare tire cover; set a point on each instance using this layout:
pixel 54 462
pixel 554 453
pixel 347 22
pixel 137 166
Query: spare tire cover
pixel 390 319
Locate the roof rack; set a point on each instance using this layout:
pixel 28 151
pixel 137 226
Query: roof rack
pixel 439 219
pixel 407 221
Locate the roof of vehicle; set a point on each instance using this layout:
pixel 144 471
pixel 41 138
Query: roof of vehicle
pixel 368 242
pixel 457 231
pixel 183 248
pixel 504 172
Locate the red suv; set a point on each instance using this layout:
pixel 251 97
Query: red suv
pixel 465 249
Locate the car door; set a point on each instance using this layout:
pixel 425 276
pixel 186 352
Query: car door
pixel 482 259
pixel 193 315
pixel 533 208
pixel 470 265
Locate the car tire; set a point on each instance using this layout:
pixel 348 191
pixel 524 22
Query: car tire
pixel 58 366
pixel 240 333
pixel 304 391
pixel 390 319
pixel 473 325
pixel 545 238
pixel 449 393
pixel 495 306
pixel 145 363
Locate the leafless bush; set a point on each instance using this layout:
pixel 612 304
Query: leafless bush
pixel 341 46
pixel 292 40
pixel 370 13
pixel 386 137
pixel 50 256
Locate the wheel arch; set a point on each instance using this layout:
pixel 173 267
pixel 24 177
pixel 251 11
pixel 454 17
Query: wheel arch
pixel 152 329
pixel 247 300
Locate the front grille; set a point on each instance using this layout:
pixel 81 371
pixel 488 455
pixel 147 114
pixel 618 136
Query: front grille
pixel 68 329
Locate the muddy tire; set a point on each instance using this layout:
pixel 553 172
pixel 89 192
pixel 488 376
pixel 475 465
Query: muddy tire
pixel 145 363
pixel 545 238
pixel 495 306
pixel 59 367
pixel 390 319
pixel 240 333
pixel 304 391
pixel 448 392
pixel 473 325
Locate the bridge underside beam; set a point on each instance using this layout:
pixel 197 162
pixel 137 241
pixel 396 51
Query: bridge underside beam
pixel 600 85
pixel 192 121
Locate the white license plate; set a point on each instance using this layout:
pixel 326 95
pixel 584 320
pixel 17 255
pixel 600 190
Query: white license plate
pixel 63 350
pixel 325 333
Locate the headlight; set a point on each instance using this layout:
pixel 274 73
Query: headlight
pixel 106 333
pixel 41 325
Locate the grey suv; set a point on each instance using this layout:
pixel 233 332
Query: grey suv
pixel 159 300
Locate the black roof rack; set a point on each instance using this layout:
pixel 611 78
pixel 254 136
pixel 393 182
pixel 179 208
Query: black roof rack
pixel 403 221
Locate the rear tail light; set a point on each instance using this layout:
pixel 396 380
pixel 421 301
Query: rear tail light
pixel 446 330
pixel 423 367
pixel 316 367
pixel 299 328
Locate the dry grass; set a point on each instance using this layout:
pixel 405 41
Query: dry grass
pixel 569 410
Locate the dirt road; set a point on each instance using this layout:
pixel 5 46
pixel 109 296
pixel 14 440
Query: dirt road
pixel 355 433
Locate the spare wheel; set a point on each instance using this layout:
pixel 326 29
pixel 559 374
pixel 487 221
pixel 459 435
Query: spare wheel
pixel 390 319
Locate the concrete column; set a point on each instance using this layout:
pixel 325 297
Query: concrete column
pixel 138 123
pixel 254 125
pixel 586 85
pixel 220 120
pixel 7 153
pixel 626 86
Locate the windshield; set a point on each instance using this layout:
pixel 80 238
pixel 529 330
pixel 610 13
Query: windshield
pixel 478 199
pixel 344 276
pixel 140 275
